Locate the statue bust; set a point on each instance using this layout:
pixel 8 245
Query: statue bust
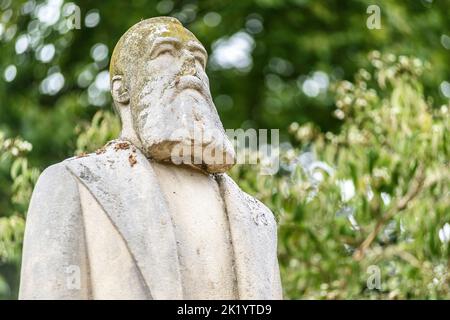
pixel 142 217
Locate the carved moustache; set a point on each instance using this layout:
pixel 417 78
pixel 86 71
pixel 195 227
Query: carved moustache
pixel 178 83
pixel 189 82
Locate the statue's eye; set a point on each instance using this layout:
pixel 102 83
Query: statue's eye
pixel 166 51
pixel 163 50
pixel 201 59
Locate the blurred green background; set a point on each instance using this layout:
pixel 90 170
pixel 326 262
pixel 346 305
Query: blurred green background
pixel 362 113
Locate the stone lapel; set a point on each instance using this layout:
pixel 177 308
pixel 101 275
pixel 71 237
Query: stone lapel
pixel 133 200
pixel 124 183
pixel 254 235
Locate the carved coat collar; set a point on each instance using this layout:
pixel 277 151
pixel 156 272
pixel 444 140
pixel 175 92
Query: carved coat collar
pixel 140 213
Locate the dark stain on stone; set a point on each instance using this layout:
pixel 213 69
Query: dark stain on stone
pixel 88 175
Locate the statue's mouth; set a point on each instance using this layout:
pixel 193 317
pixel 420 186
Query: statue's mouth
pixel 190 82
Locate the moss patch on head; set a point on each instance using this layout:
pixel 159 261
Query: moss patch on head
pixel 132 45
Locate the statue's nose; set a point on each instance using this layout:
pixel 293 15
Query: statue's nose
pixel 188 67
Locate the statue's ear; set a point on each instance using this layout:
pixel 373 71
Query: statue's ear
pixel 119 91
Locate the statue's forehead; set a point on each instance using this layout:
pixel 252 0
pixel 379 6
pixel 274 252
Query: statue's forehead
pixel 170 30
pixel 137 40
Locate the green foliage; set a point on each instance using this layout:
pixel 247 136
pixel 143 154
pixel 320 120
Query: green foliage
pixel 104 127
pixel 16 189
pixel 377 194
pixel 384 134
pixel 289 41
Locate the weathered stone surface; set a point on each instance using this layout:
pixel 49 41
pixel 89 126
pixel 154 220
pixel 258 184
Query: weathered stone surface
pixel 161 92
pixel 125 223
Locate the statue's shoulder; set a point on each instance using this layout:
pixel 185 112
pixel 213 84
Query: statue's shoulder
pixel 53 175
pixel 117 160
pixel 113 151
pixel 53 184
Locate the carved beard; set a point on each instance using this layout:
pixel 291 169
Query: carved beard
pixel 177 121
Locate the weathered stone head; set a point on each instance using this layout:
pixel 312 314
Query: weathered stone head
pixel 161 93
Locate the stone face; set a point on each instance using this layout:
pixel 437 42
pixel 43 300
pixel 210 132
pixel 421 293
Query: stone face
pixel 161 89
pixel 125 223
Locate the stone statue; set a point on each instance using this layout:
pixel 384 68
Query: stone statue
pixel 126 222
